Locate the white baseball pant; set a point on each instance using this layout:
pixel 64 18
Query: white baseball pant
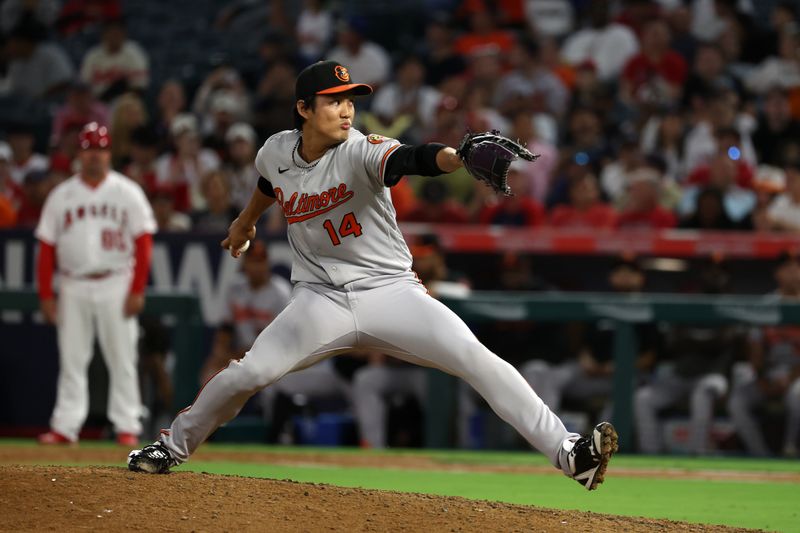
pixel 87 308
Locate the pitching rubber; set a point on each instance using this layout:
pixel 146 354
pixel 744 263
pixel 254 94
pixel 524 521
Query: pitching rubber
pixel 605 441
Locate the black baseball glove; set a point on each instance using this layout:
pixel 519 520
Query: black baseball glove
pixel 488 155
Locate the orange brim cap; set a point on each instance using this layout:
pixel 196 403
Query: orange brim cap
pixel 359 89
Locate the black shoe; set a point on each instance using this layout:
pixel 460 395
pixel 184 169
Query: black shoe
pixel 588 459
pixel 152 459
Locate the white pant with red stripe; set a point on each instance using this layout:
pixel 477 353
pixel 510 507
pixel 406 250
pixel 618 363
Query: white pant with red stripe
pixel 390 314
pixel 87 308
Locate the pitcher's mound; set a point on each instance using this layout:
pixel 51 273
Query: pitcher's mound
pixel 53 498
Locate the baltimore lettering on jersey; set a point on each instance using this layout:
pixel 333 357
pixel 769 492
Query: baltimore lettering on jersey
pixel 306 206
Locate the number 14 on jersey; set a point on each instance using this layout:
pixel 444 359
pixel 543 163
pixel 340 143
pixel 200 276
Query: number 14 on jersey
pixel 348 226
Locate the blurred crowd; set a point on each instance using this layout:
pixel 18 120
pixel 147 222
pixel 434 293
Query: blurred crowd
pixel 646 113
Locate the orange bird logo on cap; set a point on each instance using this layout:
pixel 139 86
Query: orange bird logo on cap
pixel 341 73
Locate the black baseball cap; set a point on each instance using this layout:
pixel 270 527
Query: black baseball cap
pixel 327 77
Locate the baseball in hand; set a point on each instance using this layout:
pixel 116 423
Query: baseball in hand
pixel 244 247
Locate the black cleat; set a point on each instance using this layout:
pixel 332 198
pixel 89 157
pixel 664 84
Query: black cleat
pixel 152 459
pixel 588 459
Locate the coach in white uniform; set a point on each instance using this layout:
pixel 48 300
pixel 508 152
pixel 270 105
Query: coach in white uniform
pixel 96 232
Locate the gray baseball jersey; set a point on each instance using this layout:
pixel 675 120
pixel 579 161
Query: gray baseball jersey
pixel 340 216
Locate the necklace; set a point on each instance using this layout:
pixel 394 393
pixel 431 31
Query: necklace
pixel 294 160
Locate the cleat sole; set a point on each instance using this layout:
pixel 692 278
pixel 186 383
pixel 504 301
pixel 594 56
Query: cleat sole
pixel 608 446
pixel 145 467
pixel 136 463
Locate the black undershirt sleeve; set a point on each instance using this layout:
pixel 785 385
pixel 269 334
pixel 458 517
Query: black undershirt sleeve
pixel 266 187
pixel 412 160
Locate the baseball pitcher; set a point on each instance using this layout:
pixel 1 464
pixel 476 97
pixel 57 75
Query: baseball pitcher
pixel 353 284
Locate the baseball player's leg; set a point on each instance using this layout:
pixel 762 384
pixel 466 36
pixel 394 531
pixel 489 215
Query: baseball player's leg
pixel 647 402
pixel 75 344
pixel 423 330
pixel 312 327
pixel 745 397
pixel 792 401
pixel 118 337
pixel 371 386
pixel 707 390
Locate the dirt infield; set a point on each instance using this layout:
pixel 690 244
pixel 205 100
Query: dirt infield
pixel 52 498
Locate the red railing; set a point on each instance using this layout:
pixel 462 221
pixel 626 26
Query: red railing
pixel 669 243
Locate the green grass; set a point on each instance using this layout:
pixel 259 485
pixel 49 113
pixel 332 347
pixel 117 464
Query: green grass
pixel 770 506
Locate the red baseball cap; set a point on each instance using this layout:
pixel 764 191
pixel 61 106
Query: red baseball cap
pixel 327 77
pixel 93 135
